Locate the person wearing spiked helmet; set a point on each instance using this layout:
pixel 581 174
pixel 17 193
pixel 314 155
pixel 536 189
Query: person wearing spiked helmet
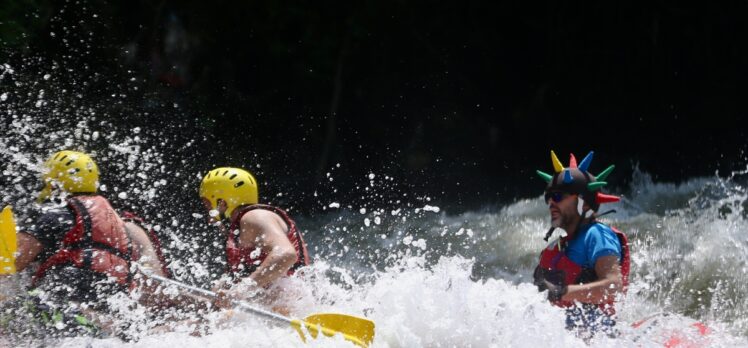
pixel 585 270
pixel 263 243
pixel 85 250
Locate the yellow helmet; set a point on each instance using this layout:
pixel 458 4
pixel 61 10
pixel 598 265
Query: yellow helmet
pixel 71 171
pixel 235 186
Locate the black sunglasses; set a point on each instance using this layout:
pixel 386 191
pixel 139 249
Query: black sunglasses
pixel 555 196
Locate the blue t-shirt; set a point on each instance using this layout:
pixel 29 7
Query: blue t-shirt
pixel 592 242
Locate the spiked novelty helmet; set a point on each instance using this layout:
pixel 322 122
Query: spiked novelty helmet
pixel 576 179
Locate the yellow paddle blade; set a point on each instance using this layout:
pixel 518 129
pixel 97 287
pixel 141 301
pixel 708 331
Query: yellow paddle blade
pixel 360 331
pixel 8 243
pixel 347 324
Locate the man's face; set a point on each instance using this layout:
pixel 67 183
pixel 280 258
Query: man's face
pixel 563 209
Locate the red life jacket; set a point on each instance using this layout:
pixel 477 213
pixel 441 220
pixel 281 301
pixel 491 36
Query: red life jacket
pixel 244 261
pixel 97 242
pixel 554 258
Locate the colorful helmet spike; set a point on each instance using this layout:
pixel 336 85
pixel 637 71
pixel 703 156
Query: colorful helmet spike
pixel 585 164
pixel 557 166
pixel 577 179
pixel 545 176
pixel 572 161
pixel 606 172
pixel 567 177
pixel 603 198
pixel 594 186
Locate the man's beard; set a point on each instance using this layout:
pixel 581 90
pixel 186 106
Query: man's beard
pixel 563 220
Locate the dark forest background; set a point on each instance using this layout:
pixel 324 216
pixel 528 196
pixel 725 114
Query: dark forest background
pixel 460 100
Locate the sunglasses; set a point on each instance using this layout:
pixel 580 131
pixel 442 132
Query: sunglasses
pixel 557 197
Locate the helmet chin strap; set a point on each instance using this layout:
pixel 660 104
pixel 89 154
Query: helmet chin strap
pixel 580 208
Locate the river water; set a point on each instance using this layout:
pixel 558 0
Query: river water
pixel 427 278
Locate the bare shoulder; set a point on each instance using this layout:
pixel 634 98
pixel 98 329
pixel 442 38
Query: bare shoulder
pixel 259 213
pixel 263 221
pixel 259 217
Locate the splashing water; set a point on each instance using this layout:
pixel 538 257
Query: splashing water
pixel 429 279
pixel 688 257
pixel 426 278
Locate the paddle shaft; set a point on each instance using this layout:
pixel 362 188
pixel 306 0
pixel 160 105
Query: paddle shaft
pixel 210 294
pixel 357 330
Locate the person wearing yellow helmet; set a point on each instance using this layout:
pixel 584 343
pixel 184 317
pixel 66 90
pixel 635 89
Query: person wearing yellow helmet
pixel 263 243
pixel 85 250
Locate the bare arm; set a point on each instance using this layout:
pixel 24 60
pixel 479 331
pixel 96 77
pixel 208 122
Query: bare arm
pixel 261 229
pixel 609 283
pixel 148 256
pixel 148 259
pixel 28 248
pixel 151 295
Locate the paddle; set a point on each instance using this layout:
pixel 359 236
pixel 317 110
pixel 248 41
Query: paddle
pixel 360 331
pixel 8 243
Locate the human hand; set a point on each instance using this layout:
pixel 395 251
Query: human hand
pixel 228 292
pixel 555 291
pixel 224 295
pixel 551 280
pixel 224 299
